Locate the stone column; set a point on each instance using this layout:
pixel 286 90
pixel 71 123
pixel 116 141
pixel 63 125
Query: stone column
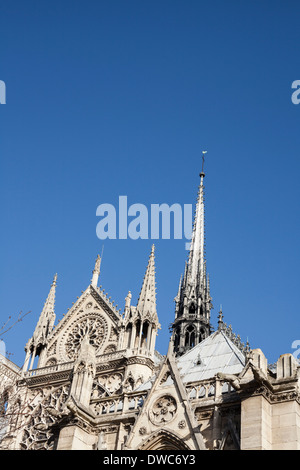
pixel 152 343
pixel 32 359
pixel 27 358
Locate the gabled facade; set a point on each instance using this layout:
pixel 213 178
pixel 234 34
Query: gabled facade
pixel 95 381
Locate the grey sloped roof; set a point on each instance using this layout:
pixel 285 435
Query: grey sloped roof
pixel 217 353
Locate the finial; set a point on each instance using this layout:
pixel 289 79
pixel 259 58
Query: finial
pixel 97 263
pixel 203 158
pixel 220 318
pixel 128 300
pixel 96 271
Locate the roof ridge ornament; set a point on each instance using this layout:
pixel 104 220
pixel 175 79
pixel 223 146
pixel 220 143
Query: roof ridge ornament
pixel 96 270
pixel 236 339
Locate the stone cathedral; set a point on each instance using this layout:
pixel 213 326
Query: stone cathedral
pixel 94 381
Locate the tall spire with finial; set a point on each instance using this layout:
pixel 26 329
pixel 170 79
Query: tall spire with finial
pixel 141 321
pixel 197 256
pixel 193 301
pixel 47 316
pixel 147 299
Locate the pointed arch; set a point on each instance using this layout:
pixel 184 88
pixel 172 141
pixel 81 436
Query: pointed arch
pixel 189 341
pixel 128 335
pixel 163 440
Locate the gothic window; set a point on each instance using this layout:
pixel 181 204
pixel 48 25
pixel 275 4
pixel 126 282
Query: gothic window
pixel 137 329
pixel 94 327
pixel 190 337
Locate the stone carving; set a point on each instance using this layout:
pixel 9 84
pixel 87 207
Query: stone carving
pixel 101 445
pixel 231 378
pixel 131 382
pixel 163 410
pixel 113 382
pixel 107 385
pixel 113 335
pixel 47 407
pixel 52 349
pixel 128 385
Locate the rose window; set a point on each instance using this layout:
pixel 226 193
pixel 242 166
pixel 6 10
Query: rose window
pixel 163 410
pixel 94 328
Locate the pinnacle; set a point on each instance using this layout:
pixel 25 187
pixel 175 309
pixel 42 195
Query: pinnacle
pixel 147 298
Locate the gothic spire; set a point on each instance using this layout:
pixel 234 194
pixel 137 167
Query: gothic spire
pixel 193 301
pixel 147 299
pixel 141 321
pixel 47 316
pixel 196 261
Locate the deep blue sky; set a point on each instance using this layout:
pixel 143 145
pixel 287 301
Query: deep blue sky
pixel 109 98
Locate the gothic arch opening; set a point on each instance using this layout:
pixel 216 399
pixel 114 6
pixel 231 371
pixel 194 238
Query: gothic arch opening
pixel 201 310
pixel 144 338
pixel 202 334
pixel 138 326
pixel 190 337
pixel 164 440
pixel 128 335
pixel 192 308
pixel 177 338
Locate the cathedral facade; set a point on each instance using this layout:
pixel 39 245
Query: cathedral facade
pixel 94 381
